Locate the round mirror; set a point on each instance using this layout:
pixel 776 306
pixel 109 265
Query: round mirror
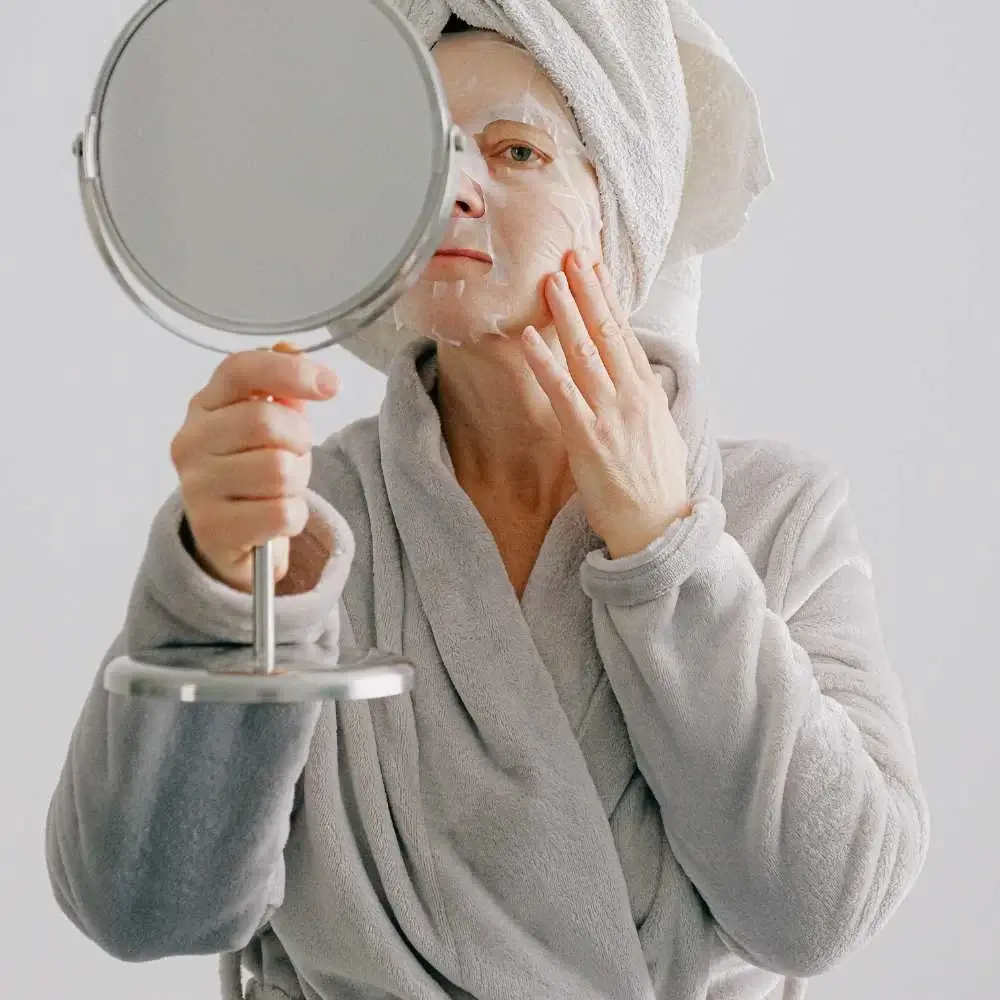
pixel 266 169
pixel 256 169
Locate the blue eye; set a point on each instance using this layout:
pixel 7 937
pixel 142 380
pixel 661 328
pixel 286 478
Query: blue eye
pixel 521 153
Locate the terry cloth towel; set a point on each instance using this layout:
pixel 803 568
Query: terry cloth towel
pixel 670 123
pixel 681 775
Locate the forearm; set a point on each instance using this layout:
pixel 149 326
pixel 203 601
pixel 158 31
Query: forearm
pixel 166 830
pixel 786 777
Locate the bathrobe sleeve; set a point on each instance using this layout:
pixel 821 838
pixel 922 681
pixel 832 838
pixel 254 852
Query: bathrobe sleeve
pixel 166 831
pixel 773 734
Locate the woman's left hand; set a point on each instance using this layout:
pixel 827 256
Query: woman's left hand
pixel 626 455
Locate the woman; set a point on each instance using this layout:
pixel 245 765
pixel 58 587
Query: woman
pixel 654 748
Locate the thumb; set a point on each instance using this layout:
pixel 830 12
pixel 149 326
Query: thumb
pixel 284 347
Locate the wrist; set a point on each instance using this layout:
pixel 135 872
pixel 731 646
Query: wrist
pixel 621 547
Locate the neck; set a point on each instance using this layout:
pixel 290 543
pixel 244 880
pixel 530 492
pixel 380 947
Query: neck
pixel 500 429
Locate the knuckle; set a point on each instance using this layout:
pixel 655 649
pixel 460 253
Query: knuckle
pixel 566 386
pixel 303 471
pixel 231 365
pixel 278 468
pixel 302 431
pixel 632 405
pixel 269 425
pixel 294 371
pixel 305 370
pixel 230 383
pixel 240 370
pixel 291 374
pixel 607 328
pixel 603 431
pixel 178 449
pixel 262 423
pixel 195 403
pixel 289 516
pixel 198 483
pixel 185 449
pixel 275 517
pixel 290 469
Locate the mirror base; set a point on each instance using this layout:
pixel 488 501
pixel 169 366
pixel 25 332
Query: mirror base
pixel 235 674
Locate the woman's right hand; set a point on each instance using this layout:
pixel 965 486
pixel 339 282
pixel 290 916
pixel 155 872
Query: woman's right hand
pixel 244 463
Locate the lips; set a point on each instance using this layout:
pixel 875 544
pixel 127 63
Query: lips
pixel 462 252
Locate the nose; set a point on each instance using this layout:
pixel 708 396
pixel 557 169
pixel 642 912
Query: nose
pixel 469 202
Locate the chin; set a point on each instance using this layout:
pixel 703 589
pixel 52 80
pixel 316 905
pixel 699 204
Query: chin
pixel 487 340
pixel 459 328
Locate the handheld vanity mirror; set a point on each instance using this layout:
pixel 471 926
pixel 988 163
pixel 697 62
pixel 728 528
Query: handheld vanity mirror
pixel 255 171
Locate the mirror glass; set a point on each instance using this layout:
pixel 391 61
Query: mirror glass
pixel 265 165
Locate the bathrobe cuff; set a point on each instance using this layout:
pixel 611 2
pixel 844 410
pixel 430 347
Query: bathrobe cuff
pixel 211 608
pixel 662 566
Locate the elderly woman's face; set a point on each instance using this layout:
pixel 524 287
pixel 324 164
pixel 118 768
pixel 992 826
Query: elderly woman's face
pixel 527 196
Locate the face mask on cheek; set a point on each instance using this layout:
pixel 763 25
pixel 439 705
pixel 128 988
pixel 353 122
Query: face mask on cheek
pixel 526 199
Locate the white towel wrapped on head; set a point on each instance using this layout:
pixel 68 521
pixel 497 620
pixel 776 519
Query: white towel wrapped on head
pixel 672 128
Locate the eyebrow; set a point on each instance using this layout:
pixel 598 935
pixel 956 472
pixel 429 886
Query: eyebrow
pixel 532 129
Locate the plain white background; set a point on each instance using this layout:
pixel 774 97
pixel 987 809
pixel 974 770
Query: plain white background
pixel 857 317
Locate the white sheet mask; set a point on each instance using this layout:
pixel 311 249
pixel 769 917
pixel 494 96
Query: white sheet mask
pixel 524 215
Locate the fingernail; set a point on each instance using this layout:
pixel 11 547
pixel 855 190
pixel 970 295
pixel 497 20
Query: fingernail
pixel 326 383
pixel 561 281
pixel 575 260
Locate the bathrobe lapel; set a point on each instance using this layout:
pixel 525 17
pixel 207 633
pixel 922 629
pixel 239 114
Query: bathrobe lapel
pixel 502 767
pixel 515 802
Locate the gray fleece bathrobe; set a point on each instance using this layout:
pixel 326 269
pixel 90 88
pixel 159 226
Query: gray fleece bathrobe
pixel 678 775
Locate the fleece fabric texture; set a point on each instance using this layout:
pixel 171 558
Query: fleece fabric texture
pixel 680 775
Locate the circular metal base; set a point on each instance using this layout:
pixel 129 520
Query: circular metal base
pixel 234 674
